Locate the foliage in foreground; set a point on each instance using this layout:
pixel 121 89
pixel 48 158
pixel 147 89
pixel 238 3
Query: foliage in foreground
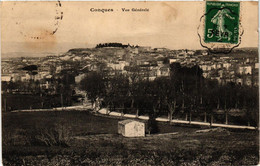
pixel 57 135
pixel 119 154
pixel 132 158
pixel 93 140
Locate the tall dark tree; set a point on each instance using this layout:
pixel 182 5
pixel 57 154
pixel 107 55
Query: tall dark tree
pixel 117 92
pixel 250 104
pixel 94 85
pixel 186 82
pixel 210 98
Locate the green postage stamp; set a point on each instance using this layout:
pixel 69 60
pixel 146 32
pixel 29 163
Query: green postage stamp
pixel 222 22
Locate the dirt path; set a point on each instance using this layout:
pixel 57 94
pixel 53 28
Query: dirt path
pixel 116 114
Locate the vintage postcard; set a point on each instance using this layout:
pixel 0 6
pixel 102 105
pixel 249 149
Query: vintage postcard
pixel 129 83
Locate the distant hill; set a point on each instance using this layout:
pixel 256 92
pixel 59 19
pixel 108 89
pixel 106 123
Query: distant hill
pixel 109 49
pixel 26 54
pixel 244 52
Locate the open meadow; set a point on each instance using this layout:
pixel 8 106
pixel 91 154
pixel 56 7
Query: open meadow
pixel 81 138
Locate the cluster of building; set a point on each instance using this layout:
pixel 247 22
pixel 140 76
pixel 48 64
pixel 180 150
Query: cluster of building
pixel 240 69
pixel 145 61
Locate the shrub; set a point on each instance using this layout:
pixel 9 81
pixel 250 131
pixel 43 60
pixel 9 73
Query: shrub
pixel 152 125
pixel 59 135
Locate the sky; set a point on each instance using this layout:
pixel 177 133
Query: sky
pixel 27 26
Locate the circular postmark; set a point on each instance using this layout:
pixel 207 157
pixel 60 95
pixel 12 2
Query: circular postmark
pixel 38 20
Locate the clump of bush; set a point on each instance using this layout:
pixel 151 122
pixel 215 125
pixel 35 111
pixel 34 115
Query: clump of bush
pixel 152 126
pixel 58 135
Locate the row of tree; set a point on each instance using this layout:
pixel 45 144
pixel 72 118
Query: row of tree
pixel 61 84
pixel 185 90
pixel 101 45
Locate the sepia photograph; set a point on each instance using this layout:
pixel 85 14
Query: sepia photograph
pixel 129 83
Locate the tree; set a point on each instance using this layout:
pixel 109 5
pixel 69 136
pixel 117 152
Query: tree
pixel 135 79
pixel 4 86
pixel 152 124
pixel 186 82
pixel 210 99
pixel 31 69
pixel 145 98
pixel 117 91
pixel 94 85
pixel 250 104
pixel 66 84
pixel 229 98
pixel 168 95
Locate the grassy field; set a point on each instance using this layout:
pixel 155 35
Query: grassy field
pixel 12 102
pixel 16 101
pixel 80 138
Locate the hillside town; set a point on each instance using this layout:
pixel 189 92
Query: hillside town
pixel 133 83
pixel 240 67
